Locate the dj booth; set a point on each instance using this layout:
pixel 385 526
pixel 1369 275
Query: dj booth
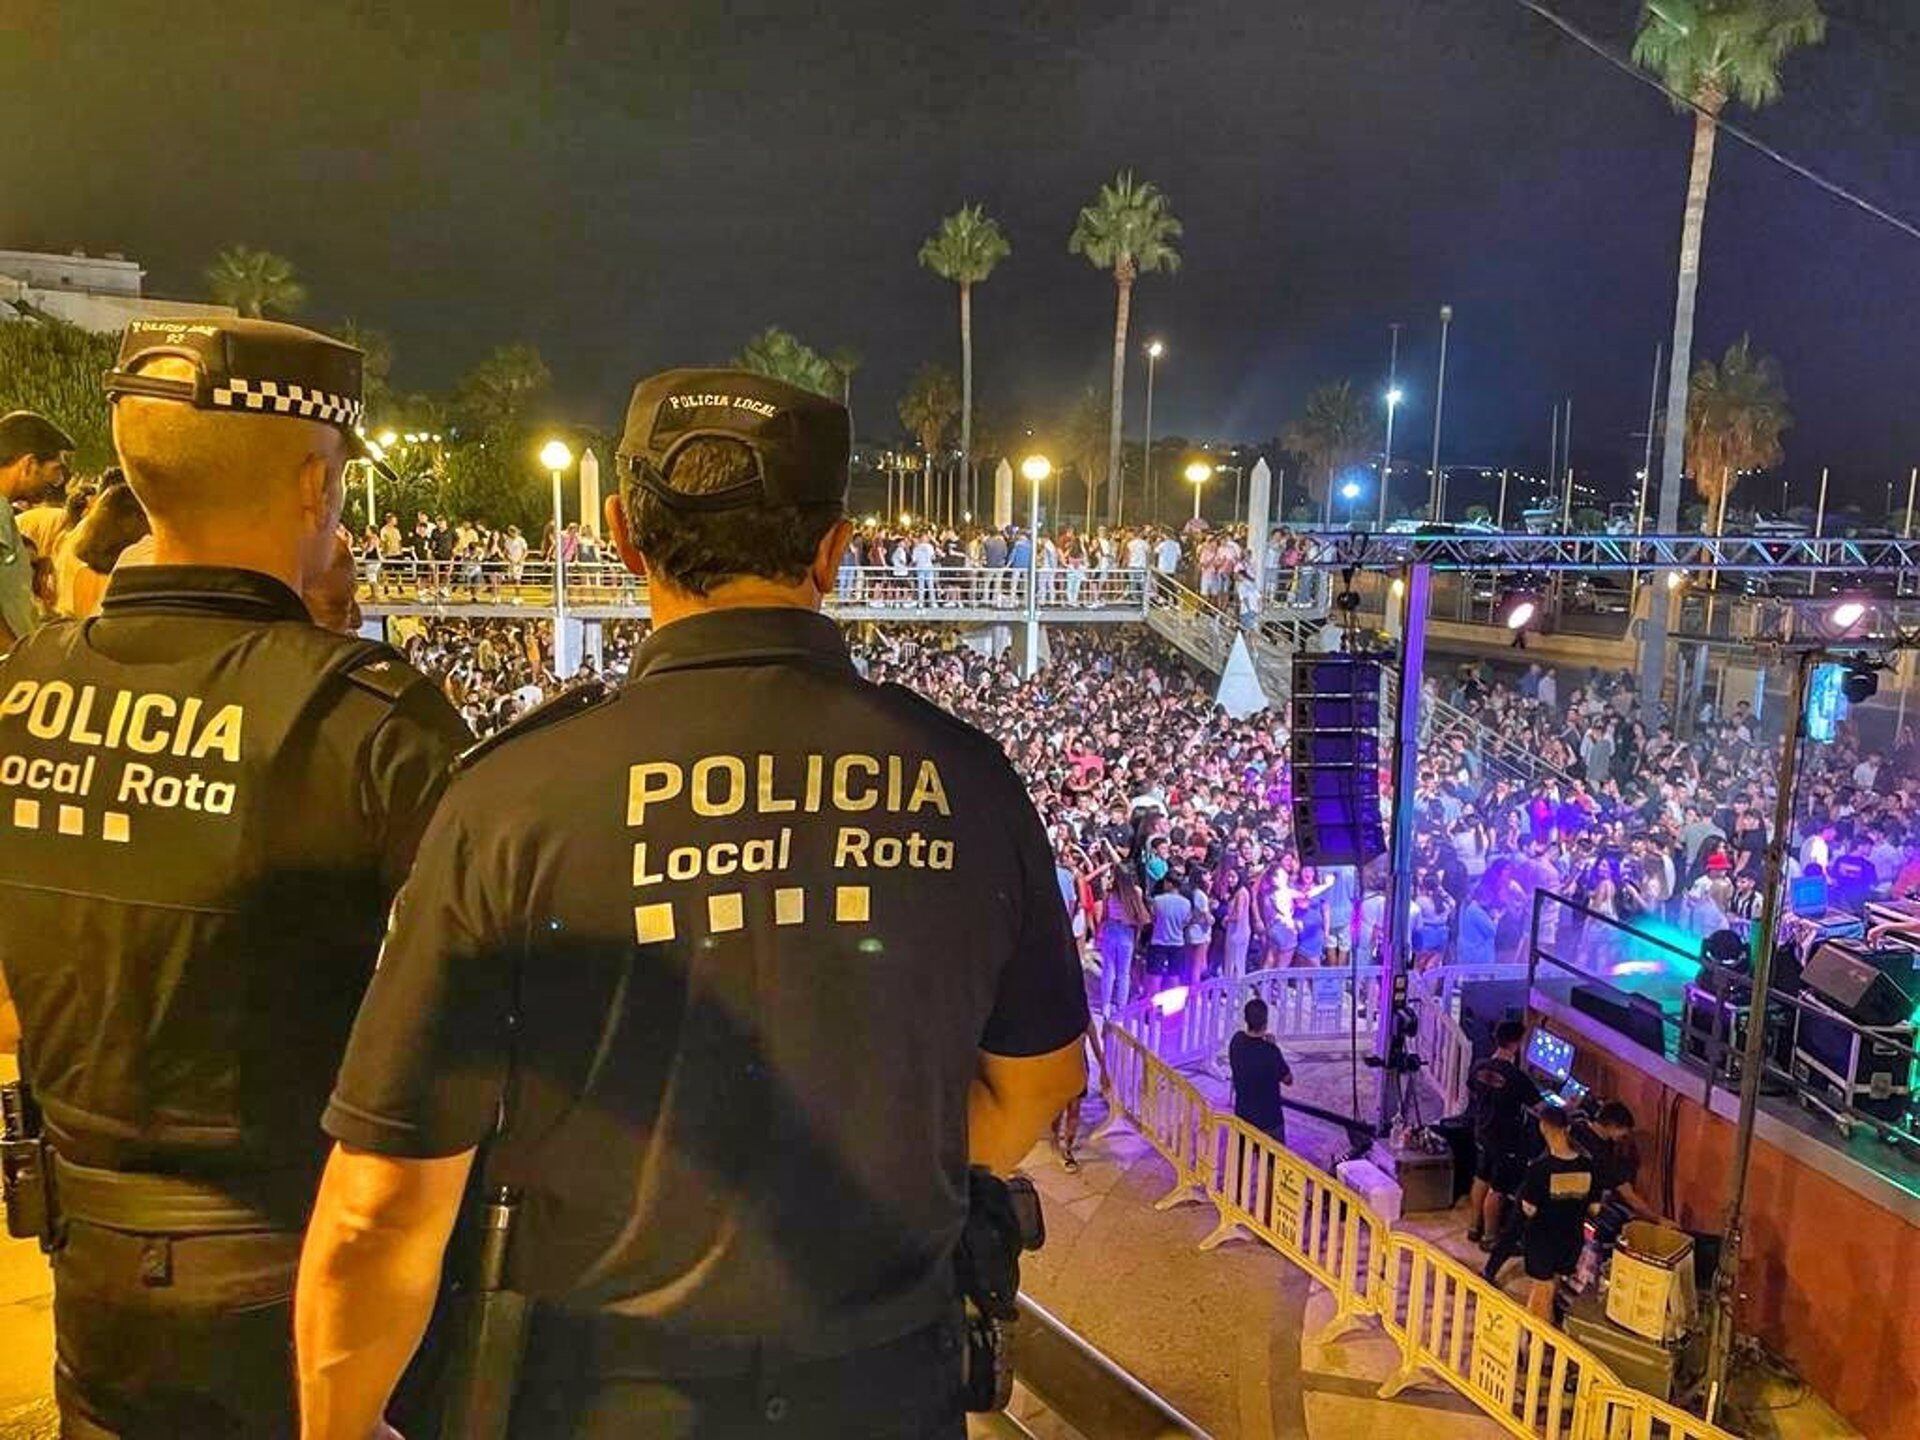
pixel 1839 1013
pixel 1833 1197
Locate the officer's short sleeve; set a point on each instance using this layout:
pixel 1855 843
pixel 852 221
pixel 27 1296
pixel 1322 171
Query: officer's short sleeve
pixel 1041 1003
pixel 426 1066
pixel 405 770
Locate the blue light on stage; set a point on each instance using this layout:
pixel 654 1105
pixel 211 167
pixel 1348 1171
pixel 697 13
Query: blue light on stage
pixel 1826 705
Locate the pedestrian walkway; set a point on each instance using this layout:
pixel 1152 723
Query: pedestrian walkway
pixel 1222 1336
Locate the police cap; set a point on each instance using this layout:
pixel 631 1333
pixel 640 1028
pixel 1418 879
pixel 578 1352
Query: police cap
pixel 252 367
pixel 799 440
pixel 22 432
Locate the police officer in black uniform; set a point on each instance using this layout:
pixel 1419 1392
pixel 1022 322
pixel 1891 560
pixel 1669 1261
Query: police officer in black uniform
pixel 744 964
pixel 208 804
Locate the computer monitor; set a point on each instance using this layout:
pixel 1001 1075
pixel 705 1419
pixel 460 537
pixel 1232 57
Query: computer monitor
pixel 1808 895
pixel 1551 1055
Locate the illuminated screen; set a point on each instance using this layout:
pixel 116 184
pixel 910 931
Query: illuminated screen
pixel 1550 1055
pixel 1826 706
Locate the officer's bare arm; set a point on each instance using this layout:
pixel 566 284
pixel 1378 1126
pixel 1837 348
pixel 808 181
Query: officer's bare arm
pixel 1012 1099
pixel 368 1276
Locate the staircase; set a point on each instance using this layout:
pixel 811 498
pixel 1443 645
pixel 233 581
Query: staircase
pixel 1204 632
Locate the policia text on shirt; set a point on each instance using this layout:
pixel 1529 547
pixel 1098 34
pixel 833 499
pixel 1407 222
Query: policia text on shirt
pixel 718 786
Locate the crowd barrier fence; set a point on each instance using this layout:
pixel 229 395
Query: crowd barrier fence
pixel 1623 1413
pixel 1449 1323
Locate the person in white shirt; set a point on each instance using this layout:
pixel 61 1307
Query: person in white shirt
pixel 923 554
pixel 1167 556
pixel 1137 549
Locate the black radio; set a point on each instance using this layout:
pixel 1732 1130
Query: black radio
pixel 24 1165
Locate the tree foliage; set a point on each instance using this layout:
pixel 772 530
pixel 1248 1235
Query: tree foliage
pixel 930 405
pixel 1736 413
pixel 784 356
pixel 1129 229
pixel 494 396
pixel 966 247
pixel 255 282
pixel 1335 430
pixel 1711 51
pixel 49 366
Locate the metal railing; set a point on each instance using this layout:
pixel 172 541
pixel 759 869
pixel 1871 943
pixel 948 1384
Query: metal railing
pixel 1496 751
pixel 603 587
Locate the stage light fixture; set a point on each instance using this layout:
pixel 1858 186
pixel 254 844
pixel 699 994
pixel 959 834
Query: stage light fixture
pixel 1847 613
pixel 1861 682
pixel 1518 609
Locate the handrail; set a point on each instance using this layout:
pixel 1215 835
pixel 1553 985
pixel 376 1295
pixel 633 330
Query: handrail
pixel 1522 763
pixel 866 592
pixel 1086 1388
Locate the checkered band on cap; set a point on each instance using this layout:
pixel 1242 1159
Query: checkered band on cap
pixel 279 398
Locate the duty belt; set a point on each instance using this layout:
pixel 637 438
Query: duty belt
pixel 157 1204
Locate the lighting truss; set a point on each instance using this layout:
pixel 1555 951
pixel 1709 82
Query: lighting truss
pixel 1726 553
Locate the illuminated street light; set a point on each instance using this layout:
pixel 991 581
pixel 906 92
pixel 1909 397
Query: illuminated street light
pixel 388 439
pixel 1198 473
pixel 1035 469
pixel 1350 490
pixel 556 457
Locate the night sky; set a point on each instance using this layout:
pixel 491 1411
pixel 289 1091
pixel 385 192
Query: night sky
pixel 629 187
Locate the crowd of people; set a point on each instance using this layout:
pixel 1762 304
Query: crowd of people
pixel 1172 826
pixel 890 563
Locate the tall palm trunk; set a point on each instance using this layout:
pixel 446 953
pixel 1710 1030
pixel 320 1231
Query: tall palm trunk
pixel 1123 283
pixel 1653 647
pixel 966 378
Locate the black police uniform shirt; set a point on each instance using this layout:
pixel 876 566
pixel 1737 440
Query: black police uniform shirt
pixel 206 804
pixel 738 936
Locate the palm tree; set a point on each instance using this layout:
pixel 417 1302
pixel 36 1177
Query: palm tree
pixel 783 356
pixel 1086 444
pixel 966 247
pixel 927 409
pixel 1736 411
pixel 1335 431
pixel 494 395
pixel 1707 52
pixel 1129 229
pixel 845 360
pixel 255 281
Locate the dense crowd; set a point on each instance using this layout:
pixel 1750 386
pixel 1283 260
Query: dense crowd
pixel 1172 825
pixel 1170 819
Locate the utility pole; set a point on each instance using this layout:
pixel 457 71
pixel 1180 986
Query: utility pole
pixel 1437 494
pixel 1393 404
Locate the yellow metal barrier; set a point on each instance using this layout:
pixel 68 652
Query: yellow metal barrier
pixel 1163 1105
pixel 1525 1374
pixel 1620 1413
pixel 1448 1321
pixel 1259 1186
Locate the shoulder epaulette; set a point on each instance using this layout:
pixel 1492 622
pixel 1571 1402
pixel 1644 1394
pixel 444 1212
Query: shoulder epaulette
pixel 576 700
pixel 385 675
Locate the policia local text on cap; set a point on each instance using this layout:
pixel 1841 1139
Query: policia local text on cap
pixel 733 972
pixel 209 802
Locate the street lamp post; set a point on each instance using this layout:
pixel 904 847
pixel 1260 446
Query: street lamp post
pixel 1034 469
pixel 1437 497
pixel 1393 403
pixel 1198 473
pixel 1154 351
pixel 556 457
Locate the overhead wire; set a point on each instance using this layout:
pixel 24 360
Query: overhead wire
pixel 1725 126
